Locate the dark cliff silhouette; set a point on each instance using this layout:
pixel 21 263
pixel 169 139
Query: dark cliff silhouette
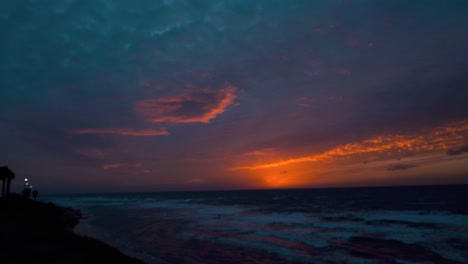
pixel 6 175
pixel 36 232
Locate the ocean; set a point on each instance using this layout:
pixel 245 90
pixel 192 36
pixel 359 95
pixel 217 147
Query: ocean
pixel 425 224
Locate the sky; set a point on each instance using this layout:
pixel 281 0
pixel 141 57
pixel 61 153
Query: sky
pixel 148 95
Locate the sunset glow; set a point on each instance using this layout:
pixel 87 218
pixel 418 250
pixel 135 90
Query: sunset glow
pixel 409 150
pixel 104 96
pixel 441 138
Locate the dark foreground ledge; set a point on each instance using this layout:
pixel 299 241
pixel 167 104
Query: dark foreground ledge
pixel 36 232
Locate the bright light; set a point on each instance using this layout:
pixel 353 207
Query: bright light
pixel 26 179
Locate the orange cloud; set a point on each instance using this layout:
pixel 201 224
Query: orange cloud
pixel 195 107
pixel 440 138
pixel 123 131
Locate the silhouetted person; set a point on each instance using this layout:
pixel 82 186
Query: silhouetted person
pixel 6 175
pixel 35 193
pixel 27 192
pixel 3 178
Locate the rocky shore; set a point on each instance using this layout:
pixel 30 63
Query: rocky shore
pixel 37 232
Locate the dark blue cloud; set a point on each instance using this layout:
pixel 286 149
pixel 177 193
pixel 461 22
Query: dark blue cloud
pixel 398 167
pixel 459 151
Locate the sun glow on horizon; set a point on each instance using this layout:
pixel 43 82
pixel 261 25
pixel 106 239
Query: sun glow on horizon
pixel 440 138
pixel 304 170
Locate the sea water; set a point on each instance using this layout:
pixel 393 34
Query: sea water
pixel 348 225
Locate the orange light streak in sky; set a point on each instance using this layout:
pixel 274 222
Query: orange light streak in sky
pixel 439 138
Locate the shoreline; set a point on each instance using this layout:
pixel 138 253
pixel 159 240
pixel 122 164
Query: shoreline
pixel 34 231
pixel 164 236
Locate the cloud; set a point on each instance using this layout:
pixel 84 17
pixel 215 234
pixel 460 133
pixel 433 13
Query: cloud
pixel 112 166
pixel 353 42
pixel 341 71
pixel 195 180
pixel 196 107
pixel 306 102
pixel 358 43
pixel 123 131
pixel 260 152
pixel 396 167
pixel 438 138
pixel 461 150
